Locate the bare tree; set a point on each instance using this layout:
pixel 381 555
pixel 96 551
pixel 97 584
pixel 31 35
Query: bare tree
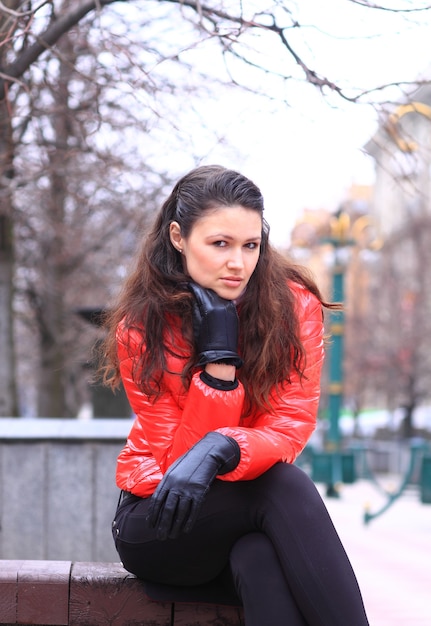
pixel 75 219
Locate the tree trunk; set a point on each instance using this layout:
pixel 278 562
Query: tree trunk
pixel 53 370
pixel 407 430
pixel 8 399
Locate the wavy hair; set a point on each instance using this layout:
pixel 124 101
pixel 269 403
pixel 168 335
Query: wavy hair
pixel 269 331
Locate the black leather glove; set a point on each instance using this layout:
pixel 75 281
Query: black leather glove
pixel 176 503
pixel 215 326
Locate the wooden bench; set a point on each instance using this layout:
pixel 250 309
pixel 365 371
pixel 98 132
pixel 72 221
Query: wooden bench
pixel 65 593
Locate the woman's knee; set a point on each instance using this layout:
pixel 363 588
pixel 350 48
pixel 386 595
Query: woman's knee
pixel 290 479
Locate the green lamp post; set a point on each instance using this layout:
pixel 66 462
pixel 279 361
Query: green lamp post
pixel 335 387
pixel 332 466
pixel 340 240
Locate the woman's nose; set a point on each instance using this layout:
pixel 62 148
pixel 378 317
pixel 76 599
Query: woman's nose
pixel 235 259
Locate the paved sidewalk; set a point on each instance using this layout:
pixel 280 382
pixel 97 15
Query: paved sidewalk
pixel 391 555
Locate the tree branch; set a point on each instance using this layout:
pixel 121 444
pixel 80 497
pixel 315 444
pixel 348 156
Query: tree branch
pixel 51 35
pixel 373 5
pixel 310 75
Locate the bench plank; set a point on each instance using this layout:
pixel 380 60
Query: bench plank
pixel 62 593
pixel 105 593
pixel 43 593
pixel 9 591
pixel 207 615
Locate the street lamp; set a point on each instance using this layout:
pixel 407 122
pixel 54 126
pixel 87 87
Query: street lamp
pixel 332 466
pixel 339 239
pixel 419 108
pixel 343 235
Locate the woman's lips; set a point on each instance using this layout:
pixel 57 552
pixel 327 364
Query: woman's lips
pixel 232 281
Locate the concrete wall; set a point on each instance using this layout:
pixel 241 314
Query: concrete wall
pixel 57 488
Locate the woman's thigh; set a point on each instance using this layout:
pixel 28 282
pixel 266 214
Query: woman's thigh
pixel 267 504
pixel 195 557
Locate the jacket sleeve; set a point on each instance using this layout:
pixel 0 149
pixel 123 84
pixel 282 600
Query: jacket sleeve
pixel 280 435
pixel 176 420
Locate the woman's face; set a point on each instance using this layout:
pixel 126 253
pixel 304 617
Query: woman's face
pixel 222 249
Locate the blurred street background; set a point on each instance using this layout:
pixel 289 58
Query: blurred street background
pixel 390 554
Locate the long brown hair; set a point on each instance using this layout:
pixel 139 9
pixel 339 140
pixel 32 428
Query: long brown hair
pixel 269 332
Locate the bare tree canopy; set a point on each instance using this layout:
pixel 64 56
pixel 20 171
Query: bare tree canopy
pixel 276 37
pixel 93 96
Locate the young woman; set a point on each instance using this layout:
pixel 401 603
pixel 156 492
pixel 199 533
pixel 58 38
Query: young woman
pixel 219 343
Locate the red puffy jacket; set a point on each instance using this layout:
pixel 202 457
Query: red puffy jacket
pixel 163 430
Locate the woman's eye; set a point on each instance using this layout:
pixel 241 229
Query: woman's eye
pixel 252 245
pixel 220 244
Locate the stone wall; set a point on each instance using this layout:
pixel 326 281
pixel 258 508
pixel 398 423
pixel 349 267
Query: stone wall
pixel 57 488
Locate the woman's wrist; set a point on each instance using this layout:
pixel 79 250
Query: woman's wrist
pixel 222 371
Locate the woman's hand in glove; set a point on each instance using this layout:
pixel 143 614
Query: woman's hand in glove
pixel 215 326
pixel 176 503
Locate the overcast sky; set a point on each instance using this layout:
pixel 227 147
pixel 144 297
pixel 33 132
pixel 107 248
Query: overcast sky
pixel 309 154
pixel 305 154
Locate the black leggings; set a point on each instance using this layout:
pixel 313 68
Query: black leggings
pixel 274 533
